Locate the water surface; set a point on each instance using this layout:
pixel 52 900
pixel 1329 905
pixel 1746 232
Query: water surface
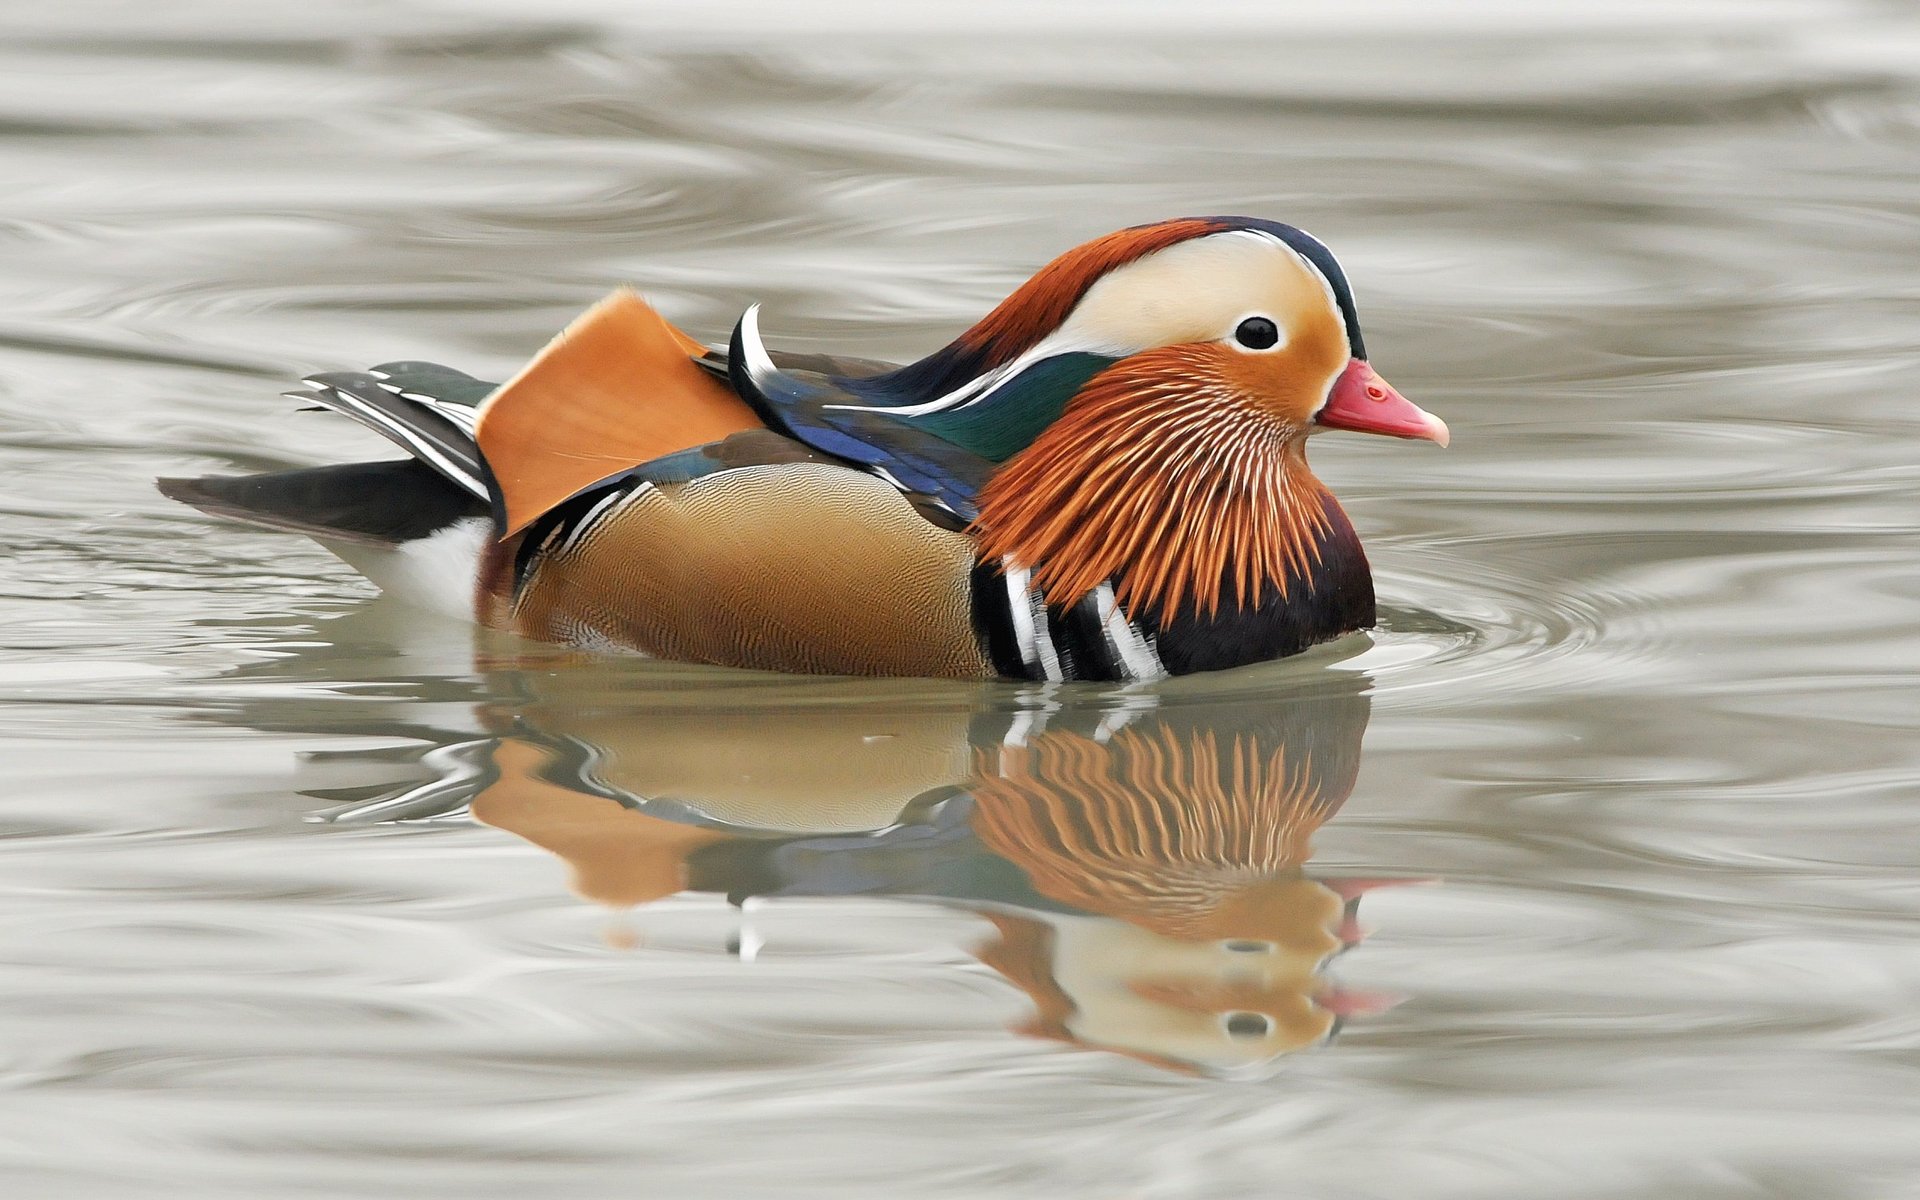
pixel 1589 874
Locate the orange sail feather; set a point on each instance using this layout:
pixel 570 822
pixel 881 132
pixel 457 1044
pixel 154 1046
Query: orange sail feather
pixel 617 388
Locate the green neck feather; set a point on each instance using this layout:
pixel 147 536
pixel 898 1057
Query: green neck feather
pixel 1006 423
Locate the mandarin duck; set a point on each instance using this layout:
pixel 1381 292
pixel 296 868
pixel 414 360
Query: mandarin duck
pixel 1105 478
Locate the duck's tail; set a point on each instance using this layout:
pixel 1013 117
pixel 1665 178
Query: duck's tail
pixel 426 409
pixel 618 388
pixel 416 526
pixel 369 504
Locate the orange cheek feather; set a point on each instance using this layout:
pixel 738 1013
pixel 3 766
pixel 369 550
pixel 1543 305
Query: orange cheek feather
pixel 1287 384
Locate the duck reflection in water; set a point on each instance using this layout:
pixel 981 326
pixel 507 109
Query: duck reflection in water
pixel 1142 865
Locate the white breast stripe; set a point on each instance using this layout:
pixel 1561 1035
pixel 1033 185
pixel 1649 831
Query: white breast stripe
pixel 1043 638
pixel 1018 610
pixel 1135 652
pixel 1029 616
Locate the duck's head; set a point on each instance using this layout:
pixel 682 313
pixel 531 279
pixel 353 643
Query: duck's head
pixel 1150 394
pixel 1252 312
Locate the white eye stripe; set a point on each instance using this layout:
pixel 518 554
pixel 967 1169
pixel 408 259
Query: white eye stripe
pixel 1333 300
pixel 1313 269
pixel 1214 275
pixel 1182 293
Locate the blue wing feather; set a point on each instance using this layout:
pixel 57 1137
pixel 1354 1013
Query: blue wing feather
pixel 814 410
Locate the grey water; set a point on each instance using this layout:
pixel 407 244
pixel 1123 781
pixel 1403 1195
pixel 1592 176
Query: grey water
pixel 1590 873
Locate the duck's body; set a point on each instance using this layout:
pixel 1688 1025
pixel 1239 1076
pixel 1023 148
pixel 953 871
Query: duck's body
pixel 1104 479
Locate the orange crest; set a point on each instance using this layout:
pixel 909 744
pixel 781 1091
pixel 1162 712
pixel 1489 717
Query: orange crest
pixel 1042 303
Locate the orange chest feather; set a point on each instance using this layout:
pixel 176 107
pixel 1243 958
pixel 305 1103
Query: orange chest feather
pixel 1178 493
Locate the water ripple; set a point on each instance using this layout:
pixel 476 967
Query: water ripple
pixel 1641 694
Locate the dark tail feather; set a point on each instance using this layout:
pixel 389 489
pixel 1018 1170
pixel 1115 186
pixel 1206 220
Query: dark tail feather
pixel 435 429
pixel 373 504
pixel 429 383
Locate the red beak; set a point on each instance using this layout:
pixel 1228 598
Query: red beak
pixel 1366 403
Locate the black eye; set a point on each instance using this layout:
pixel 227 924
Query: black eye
pixel 1257 333
pixel 1247 1025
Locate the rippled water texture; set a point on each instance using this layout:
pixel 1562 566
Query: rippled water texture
pixel 1590 874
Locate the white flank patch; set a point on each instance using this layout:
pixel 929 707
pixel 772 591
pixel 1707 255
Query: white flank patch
pixel 436 573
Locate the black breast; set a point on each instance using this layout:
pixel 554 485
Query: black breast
pixel 1025 638
pixel 1334 596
